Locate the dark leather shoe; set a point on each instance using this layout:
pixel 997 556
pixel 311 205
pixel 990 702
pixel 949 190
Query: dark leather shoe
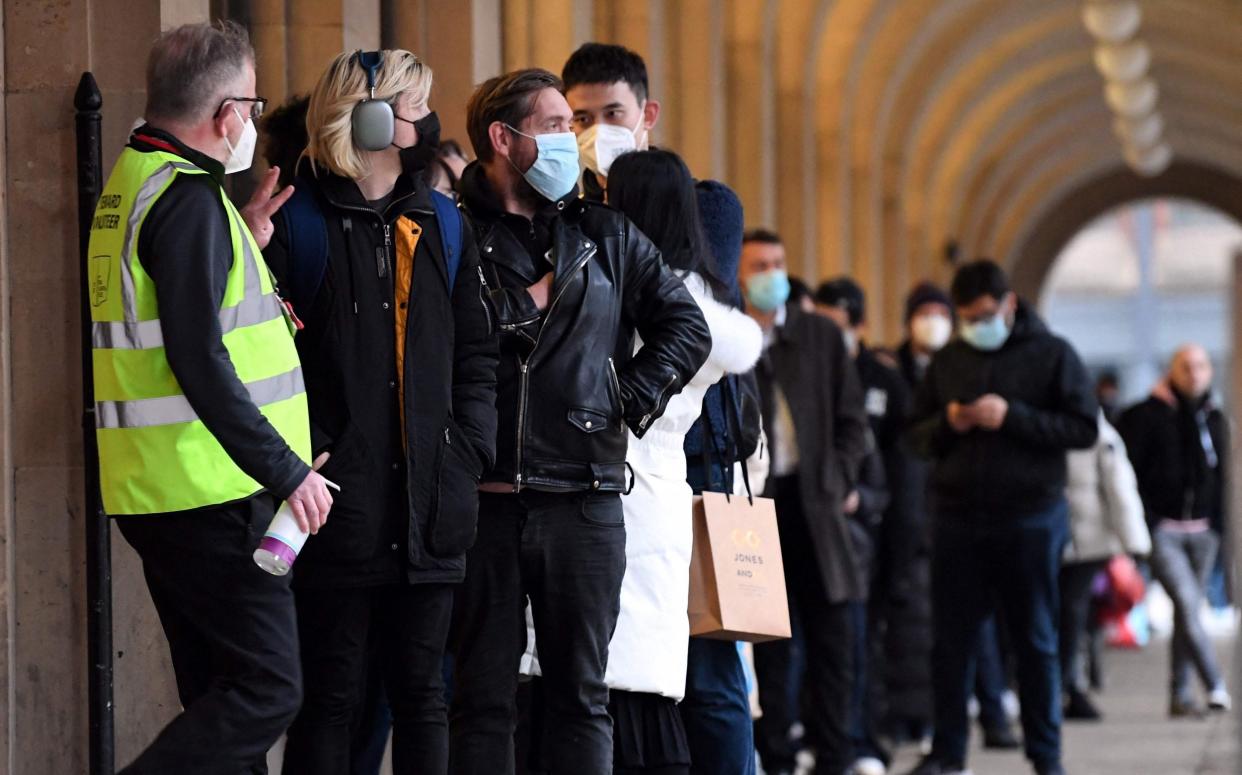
pixel 1080 708
pixel 930 766
pixel 1185 709
pixel 1000 738
pixel 1053 768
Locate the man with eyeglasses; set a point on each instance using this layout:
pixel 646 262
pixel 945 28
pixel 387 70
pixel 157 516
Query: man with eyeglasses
pixel 996 412
pixel 201 411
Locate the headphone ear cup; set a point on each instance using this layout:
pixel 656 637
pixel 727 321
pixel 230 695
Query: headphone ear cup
pixel 372 125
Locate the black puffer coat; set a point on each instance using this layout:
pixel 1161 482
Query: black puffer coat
pixel 1019 468
pixel 408 504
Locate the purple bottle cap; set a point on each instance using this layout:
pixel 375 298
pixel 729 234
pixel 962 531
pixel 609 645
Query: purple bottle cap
pixel 279 548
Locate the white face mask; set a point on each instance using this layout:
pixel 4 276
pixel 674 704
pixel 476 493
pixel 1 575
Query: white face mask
pixel 931 332
pixel 241 156
pixel 599 146
pixel 851 340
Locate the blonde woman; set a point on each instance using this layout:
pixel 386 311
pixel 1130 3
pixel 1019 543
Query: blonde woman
pixel 399 363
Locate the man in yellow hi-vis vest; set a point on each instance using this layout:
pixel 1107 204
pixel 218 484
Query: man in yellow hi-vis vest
pixel 201 411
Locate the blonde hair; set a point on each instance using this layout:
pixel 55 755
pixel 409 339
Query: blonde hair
pixel 343 85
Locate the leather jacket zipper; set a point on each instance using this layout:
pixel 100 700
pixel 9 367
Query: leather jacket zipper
pixel 483 293
pixel 646 419
pixel 524 366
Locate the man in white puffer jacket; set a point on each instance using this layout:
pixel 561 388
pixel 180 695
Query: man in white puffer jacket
pixel 1106 519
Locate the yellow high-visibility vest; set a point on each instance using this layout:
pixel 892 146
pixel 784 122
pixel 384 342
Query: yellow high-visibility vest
pixel 155 454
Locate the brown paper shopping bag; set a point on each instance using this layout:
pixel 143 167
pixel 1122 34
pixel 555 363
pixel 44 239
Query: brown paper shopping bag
pixel 737 579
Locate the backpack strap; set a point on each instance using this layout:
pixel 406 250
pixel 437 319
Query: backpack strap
pixel 308 246
pixel 451 225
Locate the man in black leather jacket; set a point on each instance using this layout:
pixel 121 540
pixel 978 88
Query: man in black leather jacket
pixel 570 283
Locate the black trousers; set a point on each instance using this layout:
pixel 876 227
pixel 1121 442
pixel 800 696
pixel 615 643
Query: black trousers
pixel 827 636
pixel 405 627
pixel 566 552
pixel 232 634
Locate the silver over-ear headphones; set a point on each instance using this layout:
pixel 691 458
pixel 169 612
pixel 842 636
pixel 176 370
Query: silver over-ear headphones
pixel 372 121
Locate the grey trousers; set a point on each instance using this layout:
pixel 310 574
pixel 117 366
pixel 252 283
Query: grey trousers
pixel 1182 563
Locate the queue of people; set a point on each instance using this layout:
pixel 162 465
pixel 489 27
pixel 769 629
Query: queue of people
pixel 490 389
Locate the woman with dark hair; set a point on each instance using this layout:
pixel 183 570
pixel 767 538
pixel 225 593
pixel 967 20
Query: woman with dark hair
pixel 655 190
pixel 648 655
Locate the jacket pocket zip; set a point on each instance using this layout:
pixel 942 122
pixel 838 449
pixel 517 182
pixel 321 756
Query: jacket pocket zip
pixel 616 388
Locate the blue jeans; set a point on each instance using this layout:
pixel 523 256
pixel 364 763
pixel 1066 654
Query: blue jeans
pixel 979 560
pixel 989 681
pixel 716 710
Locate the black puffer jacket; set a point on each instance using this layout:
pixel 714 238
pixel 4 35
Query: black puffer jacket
pixel 568 382
pixel 408 505
pixel 1170 460
pixel 1019 468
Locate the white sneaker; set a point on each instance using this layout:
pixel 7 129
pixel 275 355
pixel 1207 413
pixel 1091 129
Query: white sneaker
pixel 869 765
pixel 1219 699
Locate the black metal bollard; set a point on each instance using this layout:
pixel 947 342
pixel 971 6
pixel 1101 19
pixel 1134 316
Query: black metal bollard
pixel 87 101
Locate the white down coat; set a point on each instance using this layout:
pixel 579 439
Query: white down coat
pixel 648 649
pixel 1106 513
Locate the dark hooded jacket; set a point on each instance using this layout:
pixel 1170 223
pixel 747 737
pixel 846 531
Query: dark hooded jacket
pixel 1019 468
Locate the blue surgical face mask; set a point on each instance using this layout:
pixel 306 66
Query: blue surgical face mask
pixel 555 170
pixel 767 290
pixel 988 335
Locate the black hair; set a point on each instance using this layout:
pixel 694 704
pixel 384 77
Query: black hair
pixel 655 190
pixel 798 290
pixel 977 279
pixel 451 148
pixel 1108 379
pixel 766 236
pixel 844 292
pixel 284 131
pixel 605 63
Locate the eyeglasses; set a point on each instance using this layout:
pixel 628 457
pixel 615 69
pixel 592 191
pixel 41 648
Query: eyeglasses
pixel 257 104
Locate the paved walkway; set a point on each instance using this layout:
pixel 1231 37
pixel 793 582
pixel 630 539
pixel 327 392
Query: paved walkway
pixel 1136 736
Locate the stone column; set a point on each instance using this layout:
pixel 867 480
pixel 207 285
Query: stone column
pixel 320 29
pixel 694 100
pixel 440 32
pixel 751 111
pixel 269 34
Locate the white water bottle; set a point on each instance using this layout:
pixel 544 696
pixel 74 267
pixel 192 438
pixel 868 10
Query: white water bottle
pixel 282 541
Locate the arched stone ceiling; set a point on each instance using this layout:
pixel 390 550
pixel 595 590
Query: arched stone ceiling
pixel 959 119
pixel 1102 190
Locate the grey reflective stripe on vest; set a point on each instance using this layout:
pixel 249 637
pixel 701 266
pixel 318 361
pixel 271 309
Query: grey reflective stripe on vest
pixel 142 202
pixel 132 334
pixel 172 410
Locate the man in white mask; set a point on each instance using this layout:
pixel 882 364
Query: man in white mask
pixel 613 114
pixel 929 326
pixel 202 416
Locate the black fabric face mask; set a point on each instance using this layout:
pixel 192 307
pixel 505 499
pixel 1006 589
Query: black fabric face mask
pixel 417 158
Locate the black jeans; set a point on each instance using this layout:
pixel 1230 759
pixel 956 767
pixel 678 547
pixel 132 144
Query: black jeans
pixel 410 624
pixel 1076 581
pixel 232 634
pixel 827 635
pixel 980 559
pixel 566 552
